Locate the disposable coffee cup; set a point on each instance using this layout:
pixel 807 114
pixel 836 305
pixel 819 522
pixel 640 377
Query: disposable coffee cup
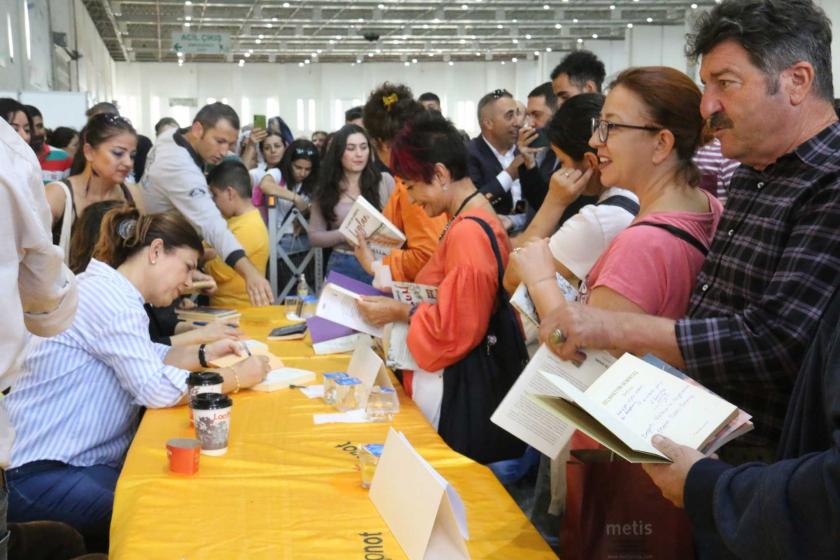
pixel 211 412
pixel 202 382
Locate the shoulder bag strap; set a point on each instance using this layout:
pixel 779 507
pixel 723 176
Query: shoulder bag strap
pixel 677 232
pixel 492 236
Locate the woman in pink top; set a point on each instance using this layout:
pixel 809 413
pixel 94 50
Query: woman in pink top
pixel 648 131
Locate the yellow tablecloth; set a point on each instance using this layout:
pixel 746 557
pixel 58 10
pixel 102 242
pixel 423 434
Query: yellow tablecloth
pixel 287 488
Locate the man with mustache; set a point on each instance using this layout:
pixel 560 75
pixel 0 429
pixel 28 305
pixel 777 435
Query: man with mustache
pixel 765 286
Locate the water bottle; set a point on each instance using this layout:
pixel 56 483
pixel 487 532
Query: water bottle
pixel 302 287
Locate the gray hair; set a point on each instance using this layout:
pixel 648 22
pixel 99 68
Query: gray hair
pixel 775 34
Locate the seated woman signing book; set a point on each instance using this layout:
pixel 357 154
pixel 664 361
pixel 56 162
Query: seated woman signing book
pixel 77 403
pixel 431 158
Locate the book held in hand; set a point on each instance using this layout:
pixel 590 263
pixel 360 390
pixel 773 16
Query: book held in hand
pixel 395 336
pixel 620 403
pixel 382 236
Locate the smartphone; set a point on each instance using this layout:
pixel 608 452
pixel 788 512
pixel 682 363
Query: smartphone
pixel 289 329
pixel 259 121
pixel 541 141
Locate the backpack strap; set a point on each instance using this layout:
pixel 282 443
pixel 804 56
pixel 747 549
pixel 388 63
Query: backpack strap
pixel 621 202
pixel 677 232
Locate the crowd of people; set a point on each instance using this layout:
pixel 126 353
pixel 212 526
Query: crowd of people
pixel 699 226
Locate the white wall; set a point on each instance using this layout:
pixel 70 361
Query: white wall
pixel 144 89
pixel 45 68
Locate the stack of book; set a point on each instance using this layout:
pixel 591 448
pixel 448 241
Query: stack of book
pixel 205 315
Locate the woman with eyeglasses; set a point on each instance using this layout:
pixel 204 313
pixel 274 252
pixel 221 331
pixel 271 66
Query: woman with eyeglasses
pixel 107 147
pixel 585 232
pixel 387 110
pixel 645 137
pixel 347 172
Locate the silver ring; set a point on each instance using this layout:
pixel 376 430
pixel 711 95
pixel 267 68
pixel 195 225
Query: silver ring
pixel 517 249
pixel 556 337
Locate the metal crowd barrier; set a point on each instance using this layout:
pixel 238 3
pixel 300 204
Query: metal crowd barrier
pixel 277 253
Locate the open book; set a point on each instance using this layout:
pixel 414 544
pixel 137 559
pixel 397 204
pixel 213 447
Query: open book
pixel 620 403
pixel 382 236
pixel 395 337
pixel 338 305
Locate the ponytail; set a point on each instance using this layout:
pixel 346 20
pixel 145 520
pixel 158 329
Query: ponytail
pixel 125 232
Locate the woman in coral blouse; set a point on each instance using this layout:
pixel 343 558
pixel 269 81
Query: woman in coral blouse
pixel 387 110
pixel 432 160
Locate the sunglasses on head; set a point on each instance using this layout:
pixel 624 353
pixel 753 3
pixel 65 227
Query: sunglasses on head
pixel 497 93
pixel 305 152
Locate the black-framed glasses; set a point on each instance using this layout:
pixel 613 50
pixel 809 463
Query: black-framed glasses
pixel 603 127
pixel 497 93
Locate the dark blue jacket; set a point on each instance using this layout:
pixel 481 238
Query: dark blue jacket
pixel 482 167
pixel 789 509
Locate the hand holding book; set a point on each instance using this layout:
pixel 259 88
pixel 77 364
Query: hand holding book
pixel 380 310
pixel 670 478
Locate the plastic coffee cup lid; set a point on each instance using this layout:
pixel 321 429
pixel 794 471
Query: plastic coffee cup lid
pixel 210 401
pixel 204 378
pixel 348 381
pixel 335 375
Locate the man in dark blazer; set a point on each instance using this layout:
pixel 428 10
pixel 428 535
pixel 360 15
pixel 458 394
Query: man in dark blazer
pixel 493 160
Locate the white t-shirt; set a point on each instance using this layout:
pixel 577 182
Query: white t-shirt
pixel 584 236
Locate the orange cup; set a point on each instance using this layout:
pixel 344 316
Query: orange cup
pixel 183 455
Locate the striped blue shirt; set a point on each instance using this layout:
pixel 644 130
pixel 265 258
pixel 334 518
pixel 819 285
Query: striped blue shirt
pixel 79 395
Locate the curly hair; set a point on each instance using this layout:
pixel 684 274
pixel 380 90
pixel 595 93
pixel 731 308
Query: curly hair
pixel 387 110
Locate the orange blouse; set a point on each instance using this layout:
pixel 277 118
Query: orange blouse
pixel 464 270
pixel 421 233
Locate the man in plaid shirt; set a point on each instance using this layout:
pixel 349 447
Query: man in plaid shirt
pixel 775 260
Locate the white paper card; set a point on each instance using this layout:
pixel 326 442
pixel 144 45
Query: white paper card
pixel 357 416
pixel 313 391
pixel 367 366
pixel 423 511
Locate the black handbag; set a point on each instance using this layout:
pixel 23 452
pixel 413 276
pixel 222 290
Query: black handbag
pixel 474 387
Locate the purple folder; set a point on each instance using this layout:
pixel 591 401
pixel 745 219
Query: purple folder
pixel 321 329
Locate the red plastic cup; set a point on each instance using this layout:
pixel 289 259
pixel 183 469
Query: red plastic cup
pixel 183 455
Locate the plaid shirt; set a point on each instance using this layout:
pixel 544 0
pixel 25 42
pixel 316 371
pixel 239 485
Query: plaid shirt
pixel 772 268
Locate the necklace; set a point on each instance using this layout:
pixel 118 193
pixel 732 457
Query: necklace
pixel 458 211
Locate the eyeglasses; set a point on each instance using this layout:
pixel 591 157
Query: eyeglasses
pixel 603 128
pixel 305 152
pixel 497 93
